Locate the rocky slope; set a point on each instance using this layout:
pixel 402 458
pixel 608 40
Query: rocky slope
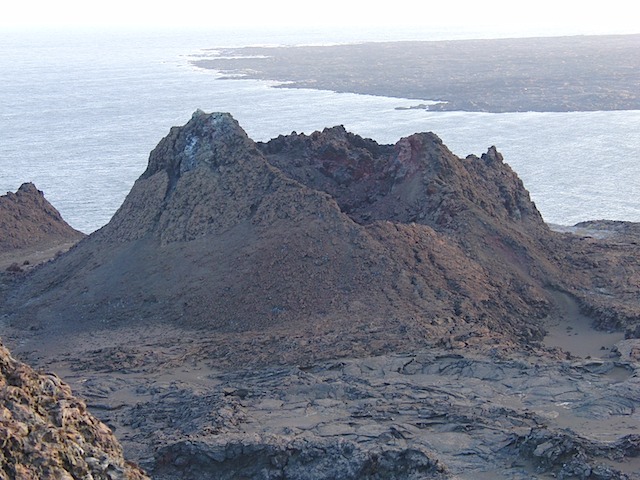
pixel 325 234
pixel 31 232
pixel 46 432
pixel 603 259
pixel 28 220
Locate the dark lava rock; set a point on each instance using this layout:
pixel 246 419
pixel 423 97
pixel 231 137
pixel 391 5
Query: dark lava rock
pixel 295 459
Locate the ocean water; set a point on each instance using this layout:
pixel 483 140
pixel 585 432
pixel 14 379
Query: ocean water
pixel 80 112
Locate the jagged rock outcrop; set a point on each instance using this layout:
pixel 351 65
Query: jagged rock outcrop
pixel 478 205
pixel 27 219
pixel 316 233
pixel 416 180
pixel 45 432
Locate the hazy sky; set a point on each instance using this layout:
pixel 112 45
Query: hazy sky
pixel 578 16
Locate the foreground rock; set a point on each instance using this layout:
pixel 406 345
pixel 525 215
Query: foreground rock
pixel 426 415
pixel 48 433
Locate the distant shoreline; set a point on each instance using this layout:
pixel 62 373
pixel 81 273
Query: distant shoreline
pixel 546 74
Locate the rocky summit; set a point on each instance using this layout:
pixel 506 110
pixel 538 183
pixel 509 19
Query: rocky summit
pixel 323 306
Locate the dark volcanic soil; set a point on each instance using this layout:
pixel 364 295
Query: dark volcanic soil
pixel 582 73
pixel 323 306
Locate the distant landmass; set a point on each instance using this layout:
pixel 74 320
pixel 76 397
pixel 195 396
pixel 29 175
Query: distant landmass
pixel 547 74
